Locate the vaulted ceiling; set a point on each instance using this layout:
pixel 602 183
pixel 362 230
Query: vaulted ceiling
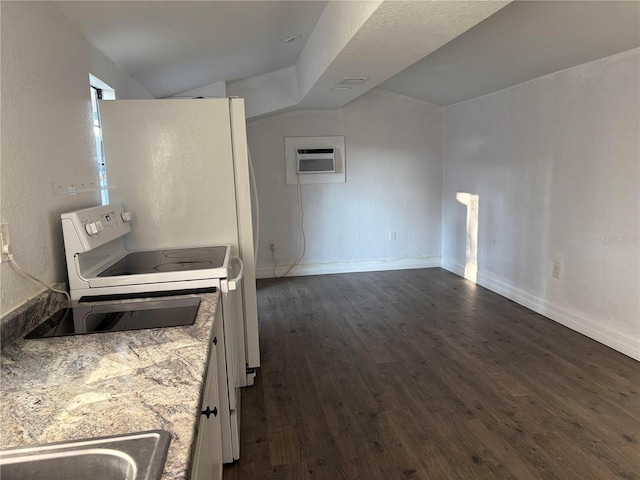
pixel 287 54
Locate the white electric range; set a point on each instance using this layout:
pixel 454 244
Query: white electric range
pixel 101 268
pixel 99 265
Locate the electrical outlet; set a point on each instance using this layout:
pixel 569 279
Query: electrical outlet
pixel 392 236
pixel 558 268
pixel 4 242
pixel 272 244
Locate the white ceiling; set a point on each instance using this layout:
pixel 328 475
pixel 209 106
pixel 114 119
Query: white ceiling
pixel 174 46
pixel 522 41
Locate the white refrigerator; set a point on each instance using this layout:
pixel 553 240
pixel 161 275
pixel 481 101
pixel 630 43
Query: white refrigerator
pixel 181 166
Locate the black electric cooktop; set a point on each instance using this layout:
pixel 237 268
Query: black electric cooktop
pixel 117 317
pixel 175 260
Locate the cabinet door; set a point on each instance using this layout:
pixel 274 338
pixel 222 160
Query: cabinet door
pixel 207 462
pixel 202 467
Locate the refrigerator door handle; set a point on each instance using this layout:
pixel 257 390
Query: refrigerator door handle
pixel 227 285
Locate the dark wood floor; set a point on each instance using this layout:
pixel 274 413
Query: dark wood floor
pixel 421 374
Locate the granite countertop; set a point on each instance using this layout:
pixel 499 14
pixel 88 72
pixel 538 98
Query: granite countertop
pixel 85 386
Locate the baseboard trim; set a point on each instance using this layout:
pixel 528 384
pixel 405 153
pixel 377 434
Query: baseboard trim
pixel 573 319
pixel 349 267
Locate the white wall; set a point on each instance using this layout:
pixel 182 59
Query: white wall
pixel 555 163
pixel 213 90
pixel 46 136
pixel 393 182
pixel 268 93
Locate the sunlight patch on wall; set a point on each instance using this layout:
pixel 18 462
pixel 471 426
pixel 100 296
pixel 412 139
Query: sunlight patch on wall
pixel 473 205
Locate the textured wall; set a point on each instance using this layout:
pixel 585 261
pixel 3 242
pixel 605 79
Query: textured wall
pixel 555 164
pixel 394 174
pixel 213 90
pixel 46 136
pixel 353 38
pixel 335 28
pixel 268 93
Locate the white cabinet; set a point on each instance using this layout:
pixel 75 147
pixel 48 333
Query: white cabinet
pixel 229 379
pixel 207 460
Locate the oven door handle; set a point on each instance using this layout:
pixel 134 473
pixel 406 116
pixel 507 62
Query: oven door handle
pixel 228 285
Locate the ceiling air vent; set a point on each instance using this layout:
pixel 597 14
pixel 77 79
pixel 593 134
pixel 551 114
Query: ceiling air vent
pixel 351 81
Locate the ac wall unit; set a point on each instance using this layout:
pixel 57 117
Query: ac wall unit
pixel 316 160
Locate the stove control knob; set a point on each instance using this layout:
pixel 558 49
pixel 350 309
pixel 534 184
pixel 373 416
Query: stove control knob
pixel 99 226
pixel 91 228
pixel 127 216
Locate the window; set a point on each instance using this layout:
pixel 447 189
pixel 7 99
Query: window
pixel 100 91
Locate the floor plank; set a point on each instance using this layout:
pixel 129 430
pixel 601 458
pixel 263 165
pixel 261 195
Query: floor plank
pixel 421 374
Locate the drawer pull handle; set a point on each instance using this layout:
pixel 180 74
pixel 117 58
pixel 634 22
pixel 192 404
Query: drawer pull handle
pixel 208 412
pixel 215 340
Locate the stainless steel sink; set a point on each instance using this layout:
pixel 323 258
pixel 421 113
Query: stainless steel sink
pixel 134 456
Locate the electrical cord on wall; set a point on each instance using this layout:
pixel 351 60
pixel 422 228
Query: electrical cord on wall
pixel 302 246
pixel 20 270
pixel 257 204
pixel 275 259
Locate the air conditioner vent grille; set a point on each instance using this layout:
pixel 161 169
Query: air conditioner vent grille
pixel 351 81
pixel 316 160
